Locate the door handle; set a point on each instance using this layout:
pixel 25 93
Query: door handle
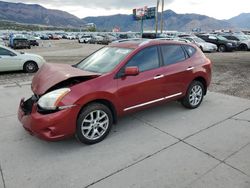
pixel 190 68
pixel 158 77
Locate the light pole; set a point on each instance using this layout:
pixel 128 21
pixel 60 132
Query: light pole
pixel 162 11
pixel 156 17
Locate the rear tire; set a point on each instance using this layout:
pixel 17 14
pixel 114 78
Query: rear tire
pixel 194 95
pixel 94 123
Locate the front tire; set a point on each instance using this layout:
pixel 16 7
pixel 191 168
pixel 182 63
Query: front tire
pixel 194 95
pixel 222 48
pixel 30 67
pixel 94 123
pixel 243 47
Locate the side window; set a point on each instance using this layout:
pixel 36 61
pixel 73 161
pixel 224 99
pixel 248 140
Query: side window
pixel 190 50
pixel 172 54
pixel 212 37
pixel 5 52
pixel 190 40
pixel 230 37
pixel 146 59
pixel 234 38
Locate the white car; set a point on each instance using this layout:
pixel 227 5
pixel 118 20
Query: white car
pixel 84 39
pixel 11 60
pixel 71 37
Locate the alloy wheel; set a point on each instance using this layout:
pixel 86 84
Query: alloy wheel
pixel 95 124
pixel 195 95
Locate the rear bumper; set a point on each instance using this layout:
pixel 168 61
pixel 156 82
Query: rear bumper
pixel 50 127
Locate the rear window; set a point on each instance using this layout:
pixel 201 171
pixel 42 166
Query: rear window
pixel 190 50
pixel 172 54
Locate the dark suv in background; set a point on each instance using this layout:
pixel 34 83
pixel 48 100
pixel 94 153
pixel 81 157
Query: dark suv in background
pixel 223 44
pixel 19 43
pixel 243 41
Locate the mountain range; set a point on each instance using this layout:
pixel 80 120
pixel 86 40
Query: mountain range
pixel 36 14
pixel 172 21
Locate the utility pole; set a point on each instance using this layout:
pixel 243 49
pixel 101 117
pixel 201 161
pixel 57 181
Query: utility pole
pixel 162 11
pixel 141 26
pixel 156 17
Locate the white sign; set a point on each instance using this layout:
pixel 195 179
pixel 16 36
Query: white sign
pixel 140 12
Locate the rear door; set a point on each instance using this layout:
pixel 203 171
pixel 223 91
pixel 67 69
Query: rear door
pixel 178 69
pixel 147 87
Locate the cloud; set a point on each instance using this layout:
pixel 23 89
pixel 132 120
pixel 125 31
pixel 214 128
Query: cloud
pixel 105 4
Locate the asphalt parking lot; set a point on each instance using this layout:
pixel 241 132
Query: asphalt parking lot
pixel 165 146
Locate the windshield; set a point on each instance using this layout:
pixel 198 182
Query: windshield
pixel 198 40
pixel 104 60
pixel 242 37
pixel 221 38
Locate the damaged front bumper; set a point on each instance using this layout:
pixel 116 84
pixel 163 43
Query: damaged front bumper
pixel 50 126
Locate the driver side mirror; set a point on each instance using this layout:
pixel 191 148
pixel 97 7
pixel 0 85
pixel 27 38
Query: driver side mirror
pixel 131 71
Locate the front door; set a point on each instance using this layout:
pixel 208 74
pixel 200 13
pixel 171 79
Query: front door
pixel 147 87
pixel 8 60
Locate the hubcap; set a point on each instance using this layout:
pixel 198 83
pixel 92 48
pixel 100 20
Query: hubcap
pixel 195 95
pixel 95 124
pixel 222 49
pixel 30 66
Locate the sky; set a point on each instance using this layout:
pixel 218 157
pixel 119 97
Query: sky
pixel 220 9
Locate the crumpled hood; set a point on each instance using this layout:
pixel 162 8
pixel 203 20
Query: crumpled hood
pixel 51 74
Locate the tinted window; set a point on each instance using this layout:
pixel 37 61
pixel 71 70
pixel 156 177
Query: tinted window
pixel 146 59
pixel 5 52
pixel 190 50
pixel 172 54
pixel 231 38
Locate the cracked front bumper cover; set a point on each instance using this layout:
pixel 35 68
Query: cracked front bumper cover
pixel 51 127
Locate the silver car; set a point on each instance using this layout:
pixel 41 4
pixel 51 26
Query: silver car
pixel 203 45
pixel 243 41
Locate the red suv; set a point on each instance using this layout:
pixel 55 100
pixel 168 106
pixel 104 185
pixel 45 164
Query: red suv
pixel 86 99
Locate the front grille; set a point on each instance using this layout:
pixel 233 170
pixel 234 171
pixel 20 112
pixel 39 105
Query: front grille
pixel 28 104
